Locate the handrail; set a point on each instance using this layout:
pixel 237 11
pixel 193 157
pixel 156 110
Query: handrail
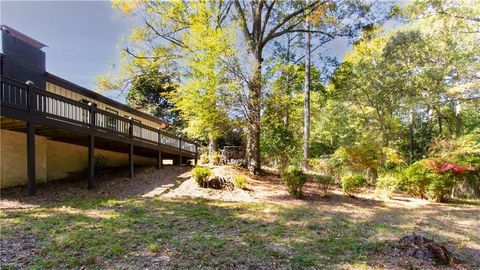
pixel 71 111
pixel 61 98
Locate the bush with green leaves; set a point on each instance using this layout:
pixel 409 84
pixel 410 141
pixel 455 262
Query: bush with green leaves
pixel 320 165
pixel 415 179
pixel 201 175
pixel 215 158
pixel 278 145
pixel 326 182
pixel 387 184
pixel 351 184
pixel 440 186
pixel 100 162
pixel 294 178
pixel 204 158
pixel 359 158
pixel 459 158
pixel 431 179
pixel 240 181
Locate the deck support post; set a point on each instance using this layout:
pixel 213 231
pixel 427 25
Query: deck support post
pixel 91 148
pixel 130 161
pixel 130 152
pixel 31 167
pixel 181 160
pixel 159 159
pixel 31 159
pixel 91 160
pixel 196 156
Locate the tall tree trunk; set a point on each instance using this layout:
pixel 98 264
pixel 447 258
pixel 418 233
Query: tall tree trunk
pixel 286 117
pixel 253 114
pixel 306 130
pixel 458 119
pixel 411 133
pixel 212 146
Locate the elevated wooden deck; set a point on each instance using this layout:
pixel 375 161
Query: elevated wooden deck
pixel 28 109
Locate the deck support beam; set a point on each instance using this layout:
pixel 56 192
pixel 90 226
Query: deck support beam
pixel 31 167
pixel 91 161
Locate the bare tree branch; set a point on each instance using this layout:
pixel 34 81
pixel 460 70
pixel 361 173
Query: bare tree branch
pixel 463 17
pixel 243 20
pixel 127 50
pixel 273 32
pixel 267 17
pixel 168 38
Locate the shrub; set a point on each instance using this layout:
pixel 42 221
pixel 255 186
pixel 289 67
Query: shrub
pixel 352 183
pixel 357 158
pixel 440 186
pixel 215 158
pixel 326 182
pixel 153 248
pixel 430 179
pixel 100 162
pixel 415 179
pixel 294 178
pixel 392 158
pixel 201 174
pixel 387 184
pixel 240 181
pixel 320 165
pixel 204 158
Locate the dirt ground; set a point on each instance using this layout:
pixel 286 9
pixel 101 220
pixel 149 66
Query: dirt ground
pixel 455 225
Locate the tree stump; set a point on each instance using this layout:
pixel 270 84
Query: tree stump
pixel 220 183
pixel 422 248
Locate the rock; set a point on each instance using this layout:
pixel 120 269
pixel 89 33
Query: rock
pixel 422 248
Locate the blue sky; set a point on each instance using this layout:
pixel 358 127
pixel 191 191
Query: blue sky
pixel 81 36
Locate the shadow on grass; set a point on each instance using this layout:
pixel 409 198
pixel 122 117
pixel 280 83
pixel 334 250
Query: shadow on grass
pixel 107 233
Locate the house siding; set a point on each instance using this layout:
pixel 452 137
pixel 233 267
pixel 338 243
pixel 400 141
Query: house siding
pixel 75 96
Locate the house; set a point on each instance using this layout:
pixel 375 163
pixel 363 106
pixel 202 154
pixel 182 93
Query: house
pixel 51 127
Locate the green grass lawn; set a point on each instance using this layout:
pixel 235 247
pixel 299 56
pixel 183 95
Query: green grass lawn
pixel 157 232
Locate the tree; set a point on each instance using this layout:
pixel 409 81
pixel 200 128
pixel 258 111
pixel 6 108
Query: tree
pixel 306 129
pixel 203 97
pixel 149 93
pixel 165 25
pixel 263 21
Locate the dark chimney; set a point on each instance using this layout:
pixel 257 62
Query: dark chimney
pixel 23 58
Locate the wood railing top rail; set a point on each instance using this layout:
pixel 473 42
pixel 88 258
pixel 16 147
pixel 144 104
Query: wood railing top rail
pixel 62 98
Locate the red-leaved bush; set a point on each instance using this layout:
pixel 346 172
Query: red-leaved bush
pixel 447 167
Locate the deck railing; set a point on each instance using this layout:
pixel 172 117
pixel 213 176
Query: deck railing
pixel 17 95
